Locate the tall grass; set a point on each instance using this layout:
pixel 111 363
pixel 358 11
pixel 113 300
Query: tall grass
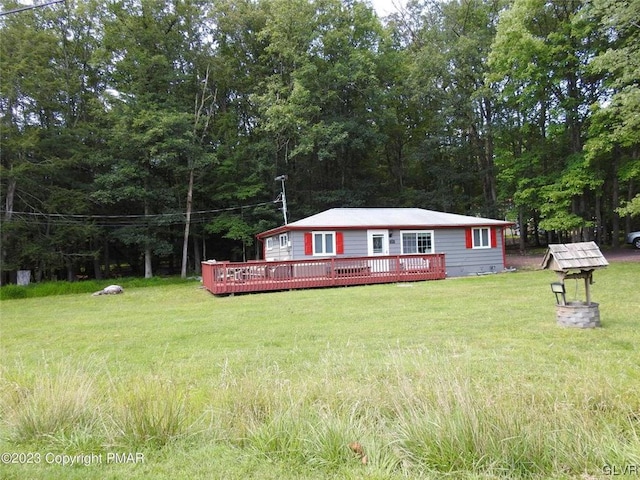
pixel 174 370
pixel 147 412
pixel 53 288
pixel 438 422
pixel 57 402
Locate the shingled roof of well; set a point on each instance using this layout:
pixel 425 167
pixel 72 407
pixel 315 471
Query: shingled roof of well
pixel 572 256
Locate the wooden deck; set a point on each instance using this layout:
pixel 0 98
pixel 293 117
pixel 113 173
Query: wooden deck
pixel 225 278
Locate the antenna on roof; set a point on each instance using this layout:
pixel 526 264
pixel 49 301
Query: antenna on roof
pixel 283 196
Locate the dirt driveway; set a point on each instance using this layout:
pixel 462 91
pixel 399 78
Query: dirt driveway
pixel 533 261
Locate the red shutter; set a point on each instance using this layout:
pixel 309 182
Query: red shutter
pixel 494 240
pixel 339 243
pixel 469 237
pixel 308 244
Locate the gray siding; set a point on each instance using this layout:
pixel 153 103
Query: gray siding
pixel 276 252
pixel 459 259
pixel 395 243
pixel 355 243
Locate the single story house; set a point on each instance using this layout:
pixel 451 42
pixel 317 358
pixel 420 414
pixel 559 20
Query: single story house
pixel 471 245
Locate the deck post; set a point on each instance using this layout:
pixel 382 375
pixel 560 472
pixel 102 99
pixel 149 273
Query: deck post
pixel 225 275
pixel 333 271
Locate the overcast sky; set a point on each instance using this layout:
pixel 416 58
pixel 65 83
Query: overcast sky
pixel 385 7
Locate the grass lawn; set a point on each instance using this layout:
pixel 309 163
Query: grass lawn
pixel 466 378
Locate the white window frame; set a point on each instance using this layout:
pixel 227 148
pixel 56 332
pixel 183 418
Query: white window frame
pixel 269 243
pixel 479 231
pixel 416 233
pixel 284 240
pixel 322 252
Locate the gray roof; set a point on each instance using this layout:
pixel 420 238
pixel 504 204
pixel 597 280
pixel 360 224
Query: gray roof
pixel 390 217
pixel 571 256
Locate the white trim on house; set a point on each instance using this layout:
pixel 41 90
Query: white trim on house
pixel 426 244
pixel 481 237
pixel 378 242
pixel 323 251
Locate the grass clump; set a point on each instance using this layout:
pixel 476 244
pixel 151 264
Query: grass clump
pixel 53 404
pixel 149 412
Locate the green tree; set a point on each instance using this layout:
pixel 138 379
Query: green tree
pixel 244 170
pixel 450 105
pixel 49 93
pixel 614 139
pixel 320 104
pixel 539 67
pixel 148 53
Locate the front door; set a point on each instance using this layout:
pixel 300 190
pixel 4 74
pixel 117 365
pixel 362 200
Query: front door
pixel 378 246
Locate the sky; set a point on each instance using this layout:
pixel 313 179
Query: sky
pixel 385 7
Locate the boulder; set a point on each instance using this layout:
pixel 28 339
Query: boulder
pixel 110 290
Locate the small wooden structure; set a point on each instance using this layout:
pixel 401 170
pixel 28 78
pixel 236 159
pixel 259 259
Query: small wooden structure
pixel 575 261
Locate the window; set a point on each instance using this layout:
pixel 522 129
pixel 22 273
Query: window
pixel 378 243
pixel 284 240
pixel 417 242
pixel 269 243
pixel 324 243
pixel 481 238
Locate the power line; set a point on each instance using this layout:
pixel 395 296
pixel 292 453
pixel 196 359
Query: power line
pixel 174 218
pixel 30 7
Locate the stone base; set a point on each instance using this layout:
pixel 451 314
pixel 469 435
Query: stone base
pixel 578 315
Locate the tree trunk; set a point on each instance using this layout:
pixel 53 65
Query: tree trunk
pixel 148 268
pixel 630 195
pixel 187 226
pixel 71 274
pixel 197 257
pixel 523 231
pixel 107 259
pixel 615 200
pixel 599 227
pixel 11 191
pixel 490 183
pixel 97 271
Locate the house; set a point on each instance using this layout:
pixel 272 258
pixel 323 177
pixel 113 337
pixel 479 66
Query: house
pixel 471 245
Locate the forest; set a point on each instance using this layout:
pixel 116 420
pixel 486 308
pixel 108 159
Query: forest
pixel 142 136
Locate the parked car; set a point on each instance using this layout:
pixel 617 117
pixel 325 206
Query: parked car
pixel 634 239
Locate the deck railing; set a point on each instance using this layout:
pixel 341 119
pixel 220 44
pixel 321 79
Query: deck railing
pixel 224 278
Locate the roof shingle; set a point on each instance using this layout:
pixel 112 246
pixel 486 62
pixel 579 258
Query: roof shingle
pixel 581 256
pixel 390 217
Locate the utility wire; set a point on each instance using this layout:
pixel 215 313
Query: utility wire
pixel 30 7
pixel 174 218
